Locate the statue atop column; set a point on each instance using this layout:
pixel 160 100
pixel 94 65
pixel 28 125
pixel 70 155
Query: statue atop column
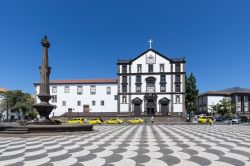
pixel 44 108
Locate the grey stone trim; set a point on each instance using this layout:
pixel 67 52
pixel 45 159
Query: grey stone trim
pixel 184 90
pixel 172 102
pixel 154 73
pixel 159 93
pixel 118 90
pixel 129 96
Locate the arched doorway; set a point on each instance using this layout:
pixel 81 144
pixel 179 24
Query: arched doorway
pixel 164 106
pixel 150 103
pixel 137 106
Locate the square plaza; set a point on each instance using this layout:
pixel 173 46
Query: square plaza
pixel 157 144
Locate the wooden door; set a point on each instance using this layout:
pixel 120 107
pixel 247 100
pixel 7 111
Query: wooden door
pixel 86 108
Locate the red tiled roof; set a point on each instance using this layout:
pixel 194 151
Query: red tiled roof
pixel 91 81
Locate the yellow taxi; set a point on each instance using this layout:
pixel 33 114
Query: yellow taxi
pixel 135 121
pixel 114 121
pixel 202 120
pixel 75 121
pixel 95 121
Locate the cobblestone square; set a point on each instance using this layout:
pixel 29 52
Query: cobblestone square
pixel 130 145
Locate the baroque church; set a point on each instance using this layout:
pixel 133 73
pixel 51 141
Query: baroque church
pixel 149 84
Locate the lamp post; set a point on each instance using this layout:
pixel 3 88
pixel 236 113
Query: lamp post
pixel 189 111
pixel 7 107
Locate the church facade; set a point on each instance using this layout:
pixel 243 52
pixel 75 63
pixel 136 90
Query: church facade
pixel 149 84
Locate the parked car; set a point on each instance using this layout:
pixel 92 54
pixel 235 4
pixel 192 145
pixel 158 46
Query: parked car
pixel 135 121
pixel 220 118
pixel 114 121
pixel 95 121
pixel 236 121
pixel 202 120
pixel 75 121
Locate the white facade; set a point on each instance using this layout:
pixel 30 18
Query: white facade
pixel 77 97
pixel 163 87
pixel 151 82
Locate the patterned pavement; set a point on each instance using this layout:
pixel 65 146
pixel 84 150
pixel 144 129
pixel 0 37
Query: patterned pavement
pixel 129 145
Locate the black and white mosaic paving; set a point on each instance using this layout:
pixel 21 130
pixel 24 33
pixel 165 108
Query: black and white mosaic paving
pixel 130 145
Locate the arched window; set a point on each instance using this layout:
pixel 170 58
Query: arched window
pixel 150 84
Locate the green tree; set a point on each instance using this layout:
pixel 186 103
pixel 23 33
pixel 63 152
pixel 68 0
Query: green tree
pixel 17 101
pixel 224 107
pixel 215 108
pixel 192 93
pixel 227 108
pixel 7 101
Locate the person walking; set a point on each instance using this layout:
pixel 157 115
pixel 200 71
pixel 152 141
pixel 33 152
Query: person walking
pixel 213 120
pixel 152 119
pixel 210 121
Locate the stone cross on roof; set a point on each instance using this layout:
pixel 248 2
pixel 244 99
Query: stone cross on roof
pixel 150 43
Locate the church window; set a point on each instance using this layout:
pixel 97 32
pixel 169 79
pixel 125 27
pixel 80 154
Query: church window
pixel 93 103
pixel 177 78
pixel 150 68
pixel 138 79
pixel 138 88
pixel 92 90
pixel 163 78
pixel 79 90
pixel 163 87
pixel 177 88
pixel 139 68
pixel 116 97
pixel 54 89
pixel 161 67
pixel 177 68
pixel 124 69
pixel 124 88
pixel 79 103
pixel 150 87
pixel 102 103
pixel 66 89
pixel 124 79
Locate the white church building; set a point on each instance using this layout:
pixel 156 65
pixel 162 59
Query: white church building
pixel 149 84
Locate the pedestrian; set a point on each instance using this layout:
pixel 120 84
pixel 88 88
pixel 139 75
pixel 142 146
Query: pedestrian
pixel 152 119
pixel 213 120
pixel 210 121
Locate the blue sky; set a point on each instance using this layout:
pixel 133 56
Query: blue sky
pixel 88 36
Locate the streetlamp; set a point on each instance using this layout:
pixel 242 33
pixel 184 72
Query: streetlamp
pixel 189 110
pixel 7 109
